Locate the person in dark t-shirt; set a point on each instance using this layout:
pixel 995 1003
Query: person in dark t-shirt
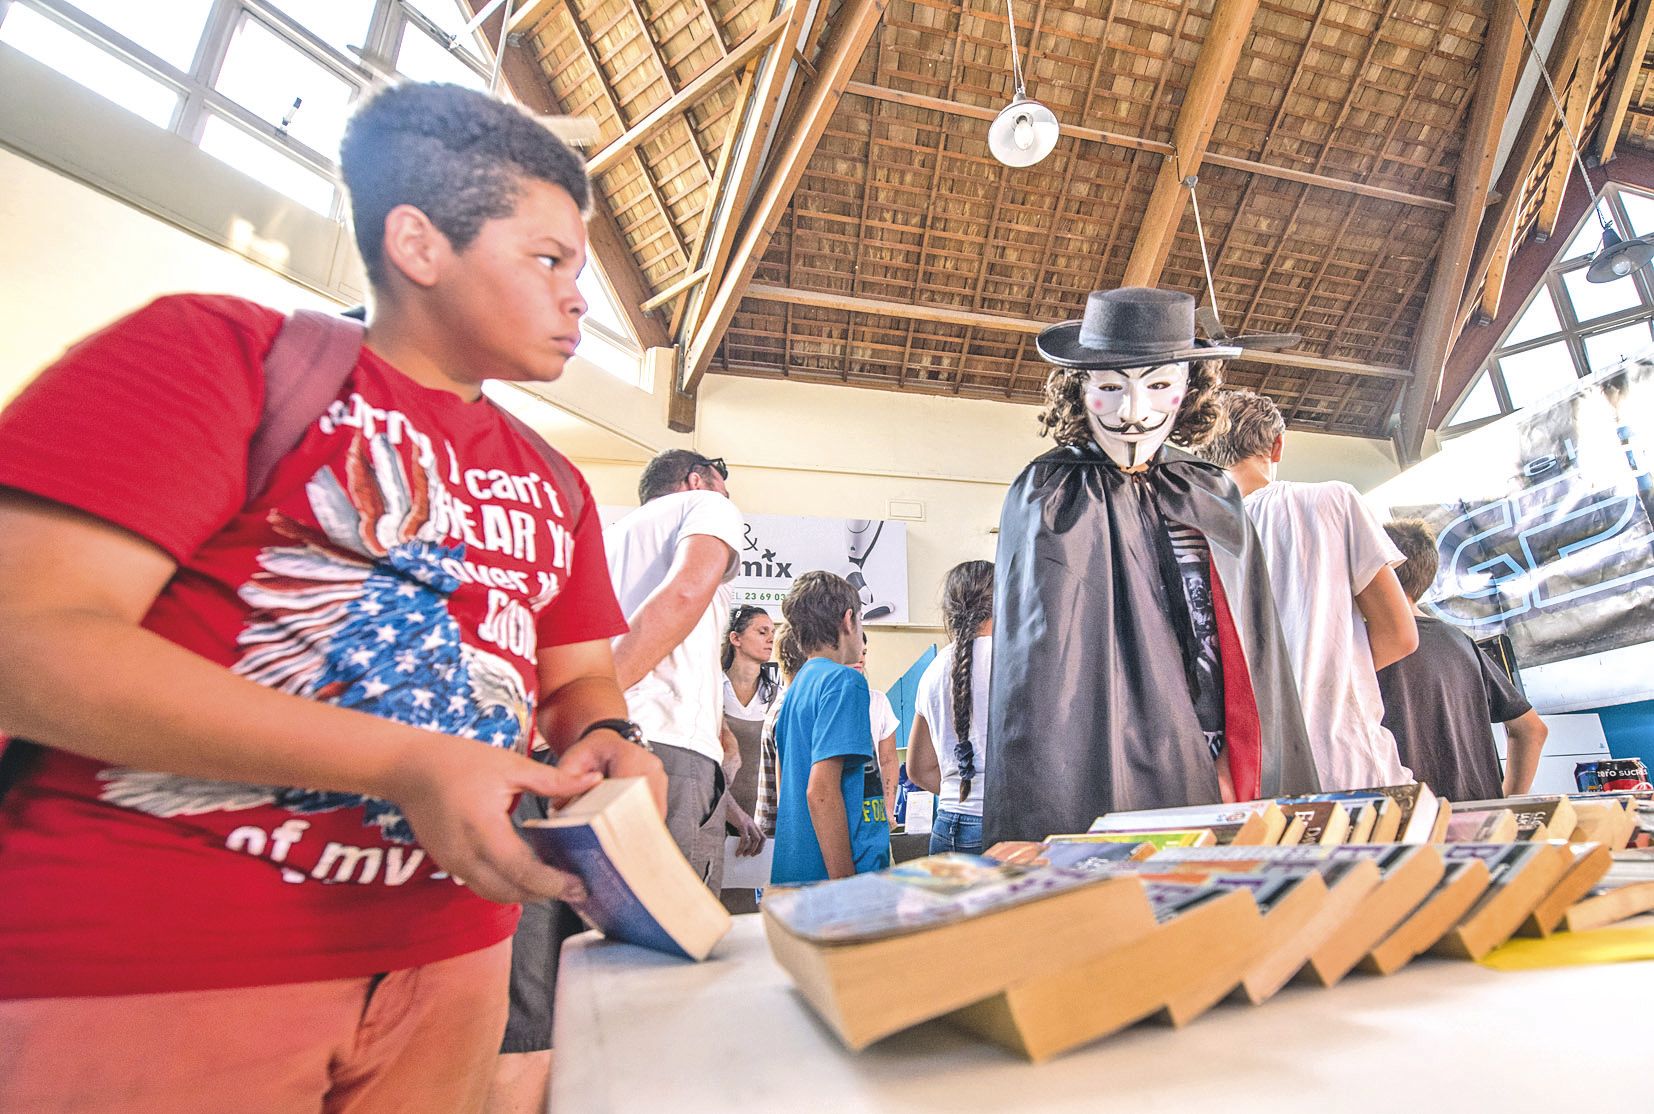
pixel 1440 700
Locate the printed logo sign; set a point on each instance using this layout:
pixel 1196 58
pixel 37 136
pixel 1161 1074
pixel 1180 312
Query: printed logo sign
pixel 870 553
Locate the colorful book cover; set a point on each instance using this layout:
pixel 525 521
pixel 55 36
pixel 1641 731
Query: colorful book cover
pixel 916 895
pixel 1474 827
pixel 1081 853
pixel 1504 861
pixel 1267 885
pixel 610 905
pixel 1188 816
pixel 1159 839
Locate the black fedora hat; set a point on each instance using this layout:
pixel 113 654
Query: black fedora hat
pixel 1135 326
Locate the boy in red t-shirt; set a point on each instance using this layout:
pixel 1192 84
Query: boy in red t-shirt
pixel 272 737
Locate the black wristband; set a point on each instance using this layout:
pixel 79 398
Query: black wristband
pixel 625 728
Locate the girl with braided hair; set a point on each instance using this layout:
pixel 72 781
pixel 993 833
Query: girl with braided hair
pixel 945 751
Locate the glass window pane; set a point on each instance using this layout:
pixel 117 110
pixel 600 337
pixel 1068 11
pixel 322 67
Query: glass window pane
pixel 600 303
pixel 1592 300
pixel 1538 320
pixel 338 23
pixel 1532 375
pixel 171 30
pixel 75 57
pixel 262 162
pixel 266 74
pixel 609 356
pixel 1606 349
pixel 1640 208
pixel 446 14
pixel 1479 402
pixel 422 58
pixel 1589 235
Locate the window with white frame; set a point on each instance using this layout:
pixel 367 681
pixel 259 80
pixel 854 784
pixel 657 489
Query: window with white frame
pixel 1569 327
pixel 267 85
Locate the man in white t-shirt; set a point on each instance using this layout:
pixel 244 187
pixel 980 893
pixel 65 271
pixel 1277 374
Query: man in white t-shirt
pixel 669 561
pixel 1342 610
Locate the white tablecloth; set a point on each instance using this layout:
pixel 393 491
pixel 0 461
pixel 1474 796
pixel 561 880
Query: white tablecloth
pixel 639 1033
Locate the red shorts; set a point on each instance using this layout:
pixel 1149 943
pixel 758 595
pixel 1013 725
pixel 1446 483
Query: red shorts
pixel 422 1039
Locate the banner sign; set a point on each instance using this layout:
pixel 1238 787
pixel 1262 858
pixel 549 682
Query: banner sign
pixel 870 553
pixel 1545 521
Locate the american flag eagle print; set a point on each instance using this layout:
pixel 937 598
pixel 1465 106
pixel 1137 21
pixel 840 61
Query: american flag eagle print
pixel 355 613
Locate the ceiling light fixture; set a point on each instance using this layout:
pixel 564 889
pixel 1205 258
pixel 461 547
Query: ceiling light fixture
pixel 1618 256
pixel 1025 131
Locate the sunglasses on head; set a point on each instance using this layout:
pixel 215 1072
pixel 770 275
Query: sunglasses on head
pixel 715 463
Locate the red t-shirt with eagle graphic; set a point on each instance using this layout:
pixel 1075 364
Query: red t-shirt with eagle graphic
pixel 407 560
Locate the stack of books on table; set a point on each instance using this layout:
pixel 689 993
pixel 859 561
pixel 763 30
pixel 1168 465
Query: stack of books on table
pixel 1163 915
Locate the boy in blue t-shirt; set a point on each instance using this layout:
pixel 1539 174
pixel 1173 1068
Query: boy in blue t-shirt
pixel 830 819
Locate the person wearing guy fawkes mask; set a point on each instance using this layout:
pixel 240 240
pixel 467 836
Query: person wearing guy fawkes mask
pixel 1138 661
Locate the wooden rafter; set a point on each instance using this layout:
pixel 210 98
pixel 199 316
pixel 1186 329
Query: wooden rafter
pixel 1630 66
pixel 1357 77
pixel 645 174
pixel 528 82
pixel 763 108
pixel 848 39
pixel 1499 226
pixel 930 203
pixel 1501 59
pixel 974 319
pixel 1576 101
pixel 1214 69
pixel 681 101
pixel 1002 175
pixel 720 183
pixel 1115 139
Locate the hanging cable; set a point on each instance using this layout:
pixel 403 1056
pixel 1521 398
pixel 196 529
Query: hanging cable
pixel 1016 58
pixel 1561 115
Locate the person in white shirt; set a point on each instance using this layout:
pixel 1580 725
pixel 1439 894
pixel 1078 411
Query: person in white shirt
pixel 1342 609
pixel 946 750
pixel 669 561
pixel 884 721
pixel 751 684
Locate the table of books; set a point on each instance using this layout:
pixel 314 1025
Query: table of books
pixel 639 1031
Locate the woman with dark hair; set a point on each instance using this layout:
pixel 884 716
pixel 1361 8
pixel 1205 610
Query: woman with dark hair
pixel 946 749
pixel 751 682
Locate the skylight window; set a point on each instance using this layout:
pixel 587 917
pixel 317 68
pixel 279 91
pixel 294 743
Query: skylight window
pixel 92 65
pixel 265 85
pixel 1570 327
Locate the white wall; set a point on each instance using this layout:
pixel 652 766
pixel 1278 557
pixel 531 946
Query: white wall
pixel 73 259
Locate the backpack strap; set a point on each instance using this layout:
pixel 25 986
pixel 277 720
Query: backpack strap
pixel 562 471
pixel 304 370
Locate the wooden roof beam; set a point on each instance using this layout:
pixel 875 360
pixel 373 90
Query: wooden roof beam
pixel 1576 102
pixel 681 101
pixel 1115 139
pixel 846 42
pixel 1625 79
pixel 530 85
pixel 750 127
pixel 1202 101
pixel 972 319
pixel 1499 224
pixel 1495 83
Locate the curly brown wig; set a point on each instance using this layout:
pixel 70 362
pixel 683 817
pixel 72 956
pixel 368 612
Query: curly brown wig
pixel 1199 419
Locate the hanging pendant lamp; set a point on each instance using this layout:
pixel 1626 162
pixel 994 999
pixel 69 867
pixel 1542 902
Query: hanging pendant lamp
pixel 1025 131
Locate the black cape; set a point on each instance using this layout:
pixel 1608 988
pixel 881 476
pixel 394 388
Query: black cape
pixel 1089 704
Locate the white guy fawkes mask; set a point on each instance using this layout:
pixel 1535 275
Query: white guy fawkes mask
pixel 1132 411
